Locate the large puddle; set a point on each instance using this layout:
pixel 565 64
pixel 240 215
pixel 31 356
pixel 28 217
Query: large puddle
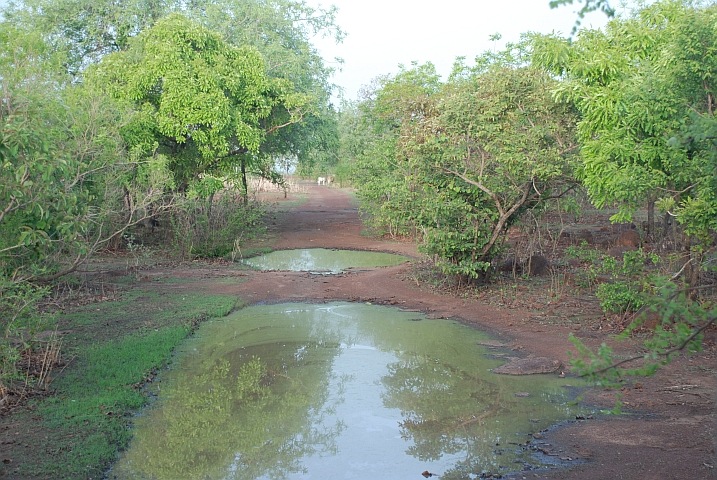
pixel 339 390
pixel 321 260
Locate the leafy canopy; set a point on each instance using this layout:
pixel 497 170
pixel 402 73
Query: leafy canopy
pixel 462 160
pixel 202 101
pixel 645 90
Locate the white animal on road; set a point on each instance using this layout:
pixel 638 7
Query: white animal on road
pixel 322 180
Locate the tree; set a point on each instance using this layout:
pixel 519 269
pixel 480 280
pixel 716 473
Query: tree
pixel 62 168
pixel 204 104
pixel 502 146
pixel 85 30
pixel 390 195
pixel 281 30
pixel 646 95
pixel 469 156
pixel 589 6
pixel 63 161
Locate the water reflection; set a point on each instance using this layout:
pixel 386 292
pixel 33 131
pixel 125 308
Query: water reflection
pixel 337 391
pixel 320 260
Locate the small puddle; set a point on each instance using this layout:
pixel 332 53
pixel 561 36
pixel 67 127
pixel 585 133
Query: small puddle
pixel 321 260
pixel 339 390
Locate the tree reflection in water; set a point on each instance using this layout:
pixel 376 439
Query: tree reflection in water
pixel 239 417
pixel 451 411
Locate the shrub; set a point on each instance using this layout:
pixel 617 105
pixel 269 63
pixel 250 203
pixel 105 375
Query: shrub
pixel 619 297
pixel 215 228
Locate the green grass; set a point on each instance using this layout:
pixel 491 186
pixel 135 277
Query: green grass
pixel 299 199
pixel 116 347
pixel 96 399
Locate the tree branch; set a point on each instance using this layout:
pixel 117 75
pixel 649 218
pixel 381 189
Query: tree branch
pixel 661 354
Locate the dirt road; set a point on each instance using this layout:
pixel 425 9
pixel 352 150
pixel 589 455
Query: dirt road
pixel 669 431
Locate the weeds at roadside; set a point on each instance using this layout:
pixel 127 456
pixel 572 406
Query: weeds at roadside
pixel 21 321
pixel 141 253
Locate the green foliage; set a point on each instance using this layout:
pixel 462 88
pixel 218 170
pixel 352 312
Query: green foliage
pixel 281 30
pixel 645 89
pixel 45 195
pixel 629 286
pixel 582 252
pixel 620 296
pixel 201 101
pixel 88 419
pixel 85 30
pixel 682 322
pixel 61 162
pixel 20 321
pixel 459 162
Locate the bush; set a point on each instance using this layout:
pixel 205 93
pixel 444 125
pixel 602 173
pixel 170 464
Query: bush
pixel 20 321
pixel 619 297
pixel 215 228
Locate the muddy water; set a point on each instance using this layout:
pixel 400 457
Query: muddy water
pixel 339 390
pixel 321 260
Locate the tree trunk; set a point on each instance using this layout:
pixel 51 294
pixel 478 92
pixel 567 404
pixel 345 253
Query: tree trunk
pixel 211 201
pixel 243 181
pixel 666 225
pixel 650 217
pixel 693 261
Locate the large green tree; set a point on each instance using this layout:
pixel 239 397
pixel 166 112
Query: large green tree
pixel 281 30
pixel 645 90
pixel 204 104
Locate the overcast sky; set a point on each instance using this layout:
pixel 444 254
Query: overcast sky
pixel 384 33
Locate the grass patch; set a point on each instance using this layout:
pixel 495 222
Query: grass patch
pixel 117 347
pixel 299 199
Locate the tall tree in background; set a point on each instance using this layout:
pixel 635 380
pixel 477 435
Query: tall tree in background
pixel 281 30
pixel 205 105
